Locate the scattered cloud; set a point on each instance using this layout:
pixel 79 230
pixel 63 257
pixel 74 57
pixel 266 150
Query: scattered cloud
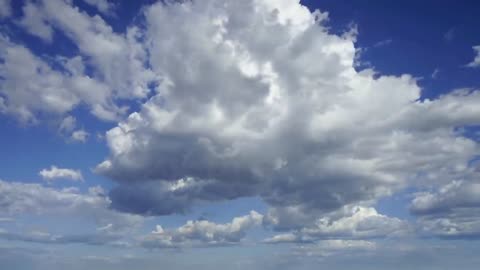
pixel 80 135
pixel 68 124
pixel 36 22
pixel 55 173
pixel 476 60
pixel 119 66
pixel 349 223
pixel 104 6
pixel 203 233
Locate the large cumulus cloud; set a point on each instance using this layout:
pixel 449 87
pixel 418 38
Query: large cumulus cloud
pixel 257 98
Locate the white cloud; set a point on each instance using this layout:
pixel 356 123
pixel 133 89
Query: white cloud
pixel 118 63
pixel 452 210
pixel 476 60
pixel 60 173
pixel 36 22
pixel 68 124
pixel 21 198
pixel 252 105
pixel 349 223
pixel 251 98
pixel 103 6
pixel 80 135
pixel 58 92
pixel 203 233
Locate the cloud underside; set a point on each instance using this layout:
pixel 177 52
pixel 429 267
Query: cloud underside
pixel 240 99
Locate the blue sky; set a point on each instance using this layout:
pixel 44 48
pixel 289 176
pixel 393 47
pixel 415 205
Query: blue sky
pixel 260 134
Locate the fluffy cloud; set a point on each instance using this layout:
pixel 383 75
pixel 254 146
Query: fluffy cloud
pixel 348 223
pixel 103 6
pixel 451 211
pixel 58 91
pixel 242 99
pixel 203 233
pixel 80 135
pixel 476 60
pixel 118 59
pixel 25 75
pixel 261 100
pixel 116 65
pixel 60 173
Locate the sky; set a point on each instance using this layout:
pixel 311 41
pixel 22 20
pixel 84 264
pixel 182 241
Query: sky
pixel 221 134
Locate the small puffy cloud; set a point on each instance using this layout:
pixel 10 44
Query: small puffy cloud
pixel 242 99
pixel 476 60
pixel 67 125
pixel 25 74
pixel 203 233
pixel 55 173
pixel 80 135
pixel 67 128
